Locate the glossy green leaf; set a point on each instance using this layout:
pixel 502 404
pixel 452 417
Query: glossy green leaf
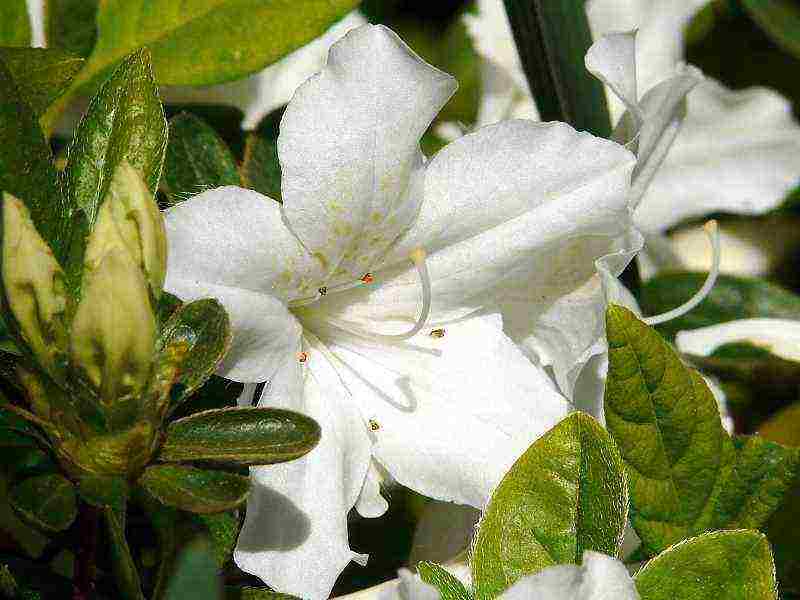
pixel 41 75
pixel 723 565
pixel 215 41
pixel 780 19
pixel 195 490
pixel 450 588
pixel 125 573
pixel 223 530
pixel 731 298
pixel 201 330
pixel 71 25
pixel 552 39
pixel 565 495
pixel 666 424
pixel 124 122
pixel 197 159
pixel 15 26
pixel 261 169
pixel 244 436
pixel 45 501
pixel 26 167
pixel 104 491
pixel 196 575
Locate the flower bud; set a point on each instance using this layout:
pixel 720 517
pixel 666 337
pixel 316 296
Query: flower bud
pixel 130 209
pixel 114 330
pixel 34 285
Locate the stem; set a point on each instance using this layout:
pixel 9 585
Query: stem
pixel 88 529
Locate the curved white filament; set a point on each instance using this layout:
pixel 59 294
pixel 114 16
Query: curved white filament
pixel 417 256
pixel 712 230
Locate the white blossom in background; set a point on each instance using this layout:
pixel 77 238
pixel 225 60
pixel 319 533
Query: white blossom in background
pixel 256 96
pixel 737 151
pixel 405 305
pixel 599 577
pixel 779 336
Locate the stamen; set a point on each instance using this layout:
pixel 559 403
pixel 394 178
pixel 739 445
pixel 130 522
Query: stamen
pixel 417 256
pixel 374 425
pixel 437 333
pixel 323 291
pixel 367 278
pixel 712 230
pixel 302 357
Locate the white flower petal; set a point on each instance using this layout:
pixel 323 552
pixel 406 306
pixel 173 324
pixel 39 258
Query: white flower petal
pixel 264 331
pixel 779 336
pixel 371 503
pixel 612 59
pixel 349 144
pixel 234 237
pixel 738 152
pixel 296 521
pixel 421 397
pixel 501 98
pixel 36 9
pixel 599 577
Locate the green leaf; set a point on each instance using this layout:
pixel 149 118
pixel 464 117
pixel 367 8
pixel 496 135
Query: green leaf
pixel 261 169
pixel 195 490
pixel 124 568
pixel 783 427
pixel 16 431
pixel 197 159
pixel 723 565
pixel 215 41
pixel 45 501
pixel 251 593
pixel 15 27
pixel 731 298
pixel 41 75
pixel 780 19
pixel 196 575
pixel 29 539
pixel 565 495
pixel 450 588
pixel 26 167
pixel 223 530
pixel 201 331
pixel 71 25
pixel 104 491
pixel 667 426
pixel 761 476
pixel 552 39
pixel 124 123
pixel 244 436
pixel 164 521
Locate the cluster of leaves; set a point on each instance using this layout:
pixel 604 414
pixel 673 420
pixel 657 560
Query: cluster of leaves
pixel 101 433
pixel 695 495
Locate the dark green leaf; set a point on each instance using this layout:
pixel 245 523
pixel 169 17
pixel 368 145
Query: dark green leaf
pixel 41 75
pixel 244 436
pixel 201 331
pixel 16 431
pixel 223 530
pixel 122 563
pixel 261 169
pixel 784 427
pixel 104 491
pixel 71 25
pixel 450 588
pixel 195 490
pixel 164 521
pixel 124 123
pixel 565 495
pixel 780 19
pixel 552 39
pixel 45 501
pixel 735 565
pixel 15 27
pixel 731 298
pixel 251 593
pixel 26 168
pixel 197 159
pixel 667 426
pixel 196 575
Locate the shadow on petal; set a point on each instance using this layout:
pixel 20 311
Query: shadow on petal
pixel 273 522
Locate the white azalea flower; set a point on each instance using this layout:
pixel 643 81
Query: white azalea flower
pixel 737 151
pixel 599 577
pixel 256 96
pixel 780 336
pixel 389 297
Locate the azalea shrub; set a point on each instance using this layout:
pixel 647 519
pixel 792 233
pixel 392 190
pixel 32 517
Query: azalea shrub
pixel 477 300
